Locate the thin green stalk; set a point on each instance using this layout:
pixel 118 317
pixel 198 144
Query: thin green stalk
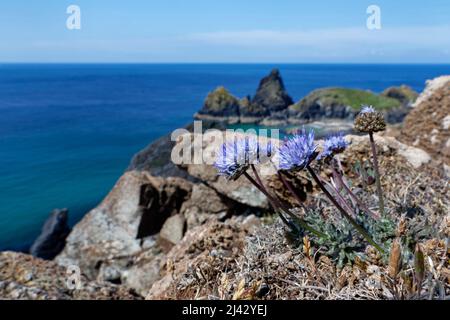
pixel 343 212
pixel 377 174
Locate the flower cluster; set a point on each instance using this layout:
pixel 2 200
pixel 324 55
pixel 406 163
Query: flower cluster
pixel 234 158
pixel 297 152
pixel 367 109
pixel 333 145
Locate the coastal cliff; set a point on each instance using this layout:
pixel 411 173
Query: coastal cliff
pixel 171 232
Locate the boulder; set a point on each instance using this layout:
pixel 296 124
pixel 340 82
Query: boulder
pixel 205 204
pixel 28 278
pixel 144 271
pixel 172 230
pixel 110 235
pixel 52 239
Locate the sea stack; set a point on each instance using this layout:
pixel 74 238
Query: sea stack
pixel 271 95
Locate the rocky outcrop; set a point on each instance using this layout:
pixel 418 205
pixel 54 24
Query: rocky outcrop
pixel 110 235
pixel 405 94
pixel 342 103
pixel 220 103
pixel 124 239
pixel 52 239
pixel 27 278
pixel 428 124
pixel 272 106
pixel 155 159
pixel 271 97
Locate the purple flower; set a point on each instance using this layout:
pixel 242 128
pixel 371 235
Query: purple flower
pixel 367 109
pixel 333 145
pixel 234 158
pixel 297 152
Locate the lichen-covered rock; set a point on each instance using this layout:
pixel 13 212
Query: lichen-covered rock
pixel 25 277
pixel 427 126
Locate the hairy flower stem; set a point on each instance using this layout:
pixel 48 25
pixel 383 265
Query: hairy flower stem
pixel 377 174
pixel 271 200
pixel 340 198
pixel 277 205
pixel 343 212
pixel 352 195
pixel 291 190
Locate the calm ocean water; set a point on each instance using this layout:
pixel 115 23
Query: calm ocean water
pixel 67 132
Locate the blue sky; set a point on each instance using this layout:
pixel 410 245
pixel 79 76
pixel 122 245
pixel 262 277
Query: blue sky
pixel 413 31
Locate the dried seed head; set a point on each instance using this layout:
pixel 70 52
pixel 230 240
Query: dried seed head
pixel 306 246
pixel 369 120
pixel 395 258
pixel 419 264
pixel 401 227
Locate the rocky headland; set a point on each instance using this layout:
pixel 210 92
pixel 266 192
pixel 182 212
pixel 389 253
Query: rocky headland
pixel 173 232
pixel 272 106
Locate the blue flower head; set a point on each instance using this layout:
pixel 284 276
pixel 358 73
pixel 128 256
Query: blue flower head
pixel 297 152
pixel 367 109
pixel 332 145
pixel 234 158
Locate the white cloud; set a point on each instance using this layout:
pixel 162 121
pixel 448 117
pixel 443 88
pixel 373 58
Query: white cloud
pixel 426 44
pixel 425 37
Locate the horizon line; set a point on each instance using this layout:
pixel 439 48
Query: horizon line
pixel 225 62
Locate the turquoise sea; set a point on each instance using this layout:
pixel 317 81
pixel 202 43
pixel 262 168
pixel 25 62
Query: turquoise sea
pixel 68 131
